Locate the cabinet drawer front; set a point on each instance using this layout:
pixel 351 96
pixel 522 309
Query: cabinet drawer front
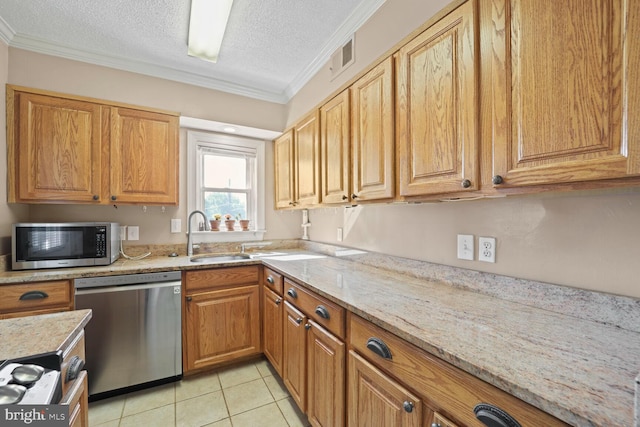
pixel 450 391
pixel 221 277
pixel 35 296
pixel 272 280
pixel 321 310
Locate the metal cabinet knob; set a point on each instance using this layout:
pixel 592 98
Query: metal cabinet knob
pixel 466 183
pixel 354 196
pixel 378 346
pixel 497 180
pixel 436 425
pixel 322 311
pixel 408 406
pixel 114 198
pixel 278 301
pixel 299 320
pixel 270 280
pixel 345 197
pixel 292 203
pixel 307 326
pixel 189 299
pixel 96 197
pixel 292 293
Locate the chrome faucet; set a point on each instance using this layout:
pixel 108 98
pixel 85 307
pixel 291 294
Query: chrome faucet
pixel 189 239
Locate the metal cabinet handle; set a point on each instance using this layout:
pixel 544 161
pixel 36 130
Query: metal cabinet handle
pixel 466 183
pixel 33 295
pixel 497 180
pixel 299 320
pixel 408 406
pixel 270 280
pixel 278 301
pixel 379 347
pixel 75 366
pixel 492 416
pixel 292 293
pixel 322 311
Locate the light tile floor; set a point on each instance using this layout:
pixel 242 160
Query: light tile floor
pixel 246 395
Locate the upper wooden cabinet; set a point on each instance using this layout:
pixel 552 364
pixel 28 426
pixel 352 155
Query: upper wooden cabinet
pixel 284 170
pixel 335 150
pixel 437 108
pixel 564 87
pixel 144 153
pixel 69 149
pixel 307 160
pixel 372 134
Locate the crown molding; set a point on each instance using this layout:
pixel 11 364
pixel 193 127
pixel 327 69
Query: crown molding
pixel 357 18
pixel 6 32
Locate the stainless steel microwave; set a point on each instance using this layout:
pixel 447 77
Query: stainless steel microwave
pixel 67 244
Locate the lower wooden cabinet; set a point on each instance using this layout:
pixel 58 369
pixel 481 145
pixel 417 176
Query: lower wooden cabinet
pixel 377 400
pixel 294 372
pixel 29 299
pixel 272 318
pixel 78 401
pixel 222 316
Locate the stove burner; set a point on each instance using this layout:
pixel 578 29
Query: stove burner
pixel 11 393
pixel 26 375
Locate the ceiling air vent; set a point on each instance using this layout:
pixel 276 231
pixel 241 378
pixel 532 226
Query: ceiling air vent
pixel 342 58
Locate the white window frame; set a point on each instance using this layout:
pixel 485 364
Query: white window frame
pixel 196 139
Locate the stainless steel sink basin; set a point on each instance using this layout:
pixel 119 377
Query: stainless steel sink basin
pixel 219 258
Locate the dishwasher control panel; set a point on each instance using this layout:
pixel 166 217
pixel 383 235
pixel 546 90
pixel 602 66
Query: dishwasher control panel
pixel 127 279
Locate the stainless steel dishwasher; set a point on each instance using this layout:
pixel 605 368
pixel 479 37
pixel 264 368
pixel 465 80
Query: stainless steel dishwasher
pixel 134 338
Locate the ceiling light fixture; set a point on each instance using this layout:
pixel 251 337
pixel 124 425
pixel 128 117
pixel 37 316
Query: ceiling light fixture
pixel 206 27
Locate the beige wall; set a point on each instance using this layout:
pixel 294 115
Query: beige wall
pixel 587 240
pixel 66 76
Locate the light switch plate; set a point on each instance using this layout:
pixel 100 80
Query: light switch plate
pixel 465 246
pixel 133 232
pixel 176 225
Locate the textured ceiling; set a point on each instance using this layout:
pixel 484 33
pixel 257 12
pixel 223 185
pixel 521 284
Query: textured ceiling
pixel 271 47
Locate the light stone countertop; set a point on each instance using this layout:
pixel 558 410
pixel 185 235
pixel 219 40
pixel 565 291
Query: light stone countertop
pixel 32 335
pixel 579 370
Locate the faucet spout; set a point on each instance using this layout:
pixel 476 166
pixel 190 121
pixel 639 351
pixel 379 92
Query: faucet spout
pixel 190 238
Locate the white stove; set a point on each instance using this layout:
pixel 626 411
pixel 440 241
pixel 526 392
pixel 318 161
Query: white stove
pixel 33 381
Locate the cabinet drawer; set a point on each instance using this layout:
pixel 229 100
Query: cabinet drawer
pixel 36 296
pixel 221 277
pixel 272 280
pixel 323 311
pixel 449 390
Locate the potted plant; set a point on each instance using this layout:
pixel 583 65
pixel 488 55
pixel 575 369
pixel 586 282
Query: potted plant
pixel 244 223
pixel 229 222
pixel 215 222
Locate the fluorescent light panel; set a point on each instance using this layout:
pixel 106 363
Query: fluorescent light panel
pixel 206 28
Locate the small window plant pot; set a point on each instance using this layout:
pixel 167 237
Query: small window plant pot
pixel 215 224
pixel 244 224
pixel 230 224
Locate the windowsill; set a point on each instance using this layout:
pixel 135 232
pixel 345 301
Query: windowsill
pixel 227 236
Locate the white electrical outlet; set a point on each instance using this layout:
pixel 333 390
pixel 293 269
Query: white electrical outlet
pixel 133 232
pixel 176 225
pixel 465 246
pixel 339 236
pixel 487 249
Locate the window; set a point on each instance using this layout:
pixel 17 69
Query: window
pixel 226 176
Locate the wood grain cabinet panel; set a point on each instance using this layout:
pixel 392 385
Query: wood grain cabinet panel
pixel 272 318
pixel 307 160
pixel 294 372
pixel 335 150
pixel 564 88
pixel 284 170
pixel 437 105
pixel 28 299
pixel 144 149
pixel 372 134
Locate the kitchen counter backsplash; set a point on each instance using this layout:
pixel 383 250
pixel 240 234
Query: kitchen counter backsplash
pixel 615 310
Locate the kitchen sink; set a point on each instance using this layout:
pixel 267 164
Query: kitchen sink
pixel 219 258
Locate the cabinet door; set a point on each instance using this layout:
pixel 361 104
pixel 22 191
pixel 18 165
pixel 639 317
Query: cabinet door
pixel 372 138
pixel 561 84
pixel 77 399
pixel 55 149
pixel 335 147
pixel 294 371
pixel 375 400
pixel 222 325
pixel 272 328
pixel 438 108
pixel 326 371
pixel 144 157
pixel 307 164
pixel 284 170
